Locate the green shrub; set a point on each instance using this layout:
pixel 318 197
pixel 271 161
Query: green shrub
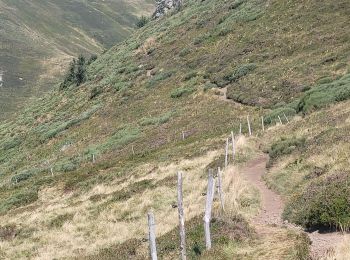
pixel 209 85
pixel 60 127
pixel 190 75
pixel 325 94
pixel 179 92
pixel 286 146
pixel 21 198
pixel 324 203
pixel 21 177
pixel 184 52
pixel 95 92
pixel 120 138
pixel 77 73
pixel 157 78
pixel 142 21
pixel 156 120
pixel 12 143
pixel 240 72
pixel 273 115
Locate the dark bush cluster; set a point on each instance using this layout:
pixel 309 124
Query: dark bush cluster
pixel 324 203
pixel 142 21
pixel 76 74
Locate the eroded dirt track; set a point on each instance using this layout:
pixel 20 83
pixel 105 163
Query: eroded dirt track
pixel 272 208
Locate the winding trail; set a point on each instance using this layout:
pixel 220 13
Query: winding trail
pixel 272 208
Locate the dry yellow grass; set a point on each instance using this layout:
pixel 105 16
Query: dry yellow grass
pixel 341 251
pixel 88 231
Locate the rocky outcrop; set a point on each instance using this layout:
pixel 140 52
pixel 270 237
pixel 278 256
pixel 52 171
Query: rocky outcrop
pixel 164 6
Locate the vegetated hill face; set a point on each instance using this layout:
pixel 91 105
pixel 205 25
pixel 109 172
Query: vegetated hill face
pixel 38 38
pixel 140 97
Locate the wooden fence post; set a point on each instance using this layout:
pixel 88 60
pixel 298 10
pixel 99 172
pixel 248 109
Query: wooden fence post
pixel 133 150
pixel 219 186
pixel 233 145
pixel 226 153
pixel 181 217
pixel 249 128
pixel 152 236
pixel 51 170
pixel 183 135
pixel 240 128
pixel 93 158
pixel 279 118
pixel 208 208
pixel 286 117
pixel 262 124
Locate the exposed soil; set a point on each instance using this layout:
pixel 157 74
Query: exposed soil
pixel 272 208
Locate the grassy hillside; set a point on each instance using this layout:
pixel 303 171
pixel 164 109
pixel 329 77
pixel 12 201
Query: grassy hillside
pixel 80 167
pixel 38 38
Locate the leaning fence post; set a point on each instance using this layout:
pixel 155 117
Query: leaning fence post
pixel 262 124
pixel 233 145
pixel 152 236
pixel 181 216
pixel 279 118
pixel 208 208
pixel 286 117
pixel 249 128
pixel 226 153
pixel 219 186
pixel 133 150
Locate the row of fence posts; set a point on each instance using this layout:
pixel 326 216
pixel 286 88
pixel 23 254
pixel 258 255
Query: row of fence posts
pixel 212 186
pixel 207 215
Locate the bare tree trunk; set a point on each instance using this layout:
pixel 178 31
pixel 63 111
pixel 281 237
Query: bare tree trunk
pixel 181 216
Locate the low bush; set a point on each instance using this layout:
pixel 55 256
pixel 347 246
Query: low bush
pixel 325 94
pixel 23 176
pixel 190 75
pixel 156 120
pixel 184 52
pixel 11 143
pixel 157 78
pixel 271 117
pixel 324 203
pixel 179 92
pixel 285 146
pixel 21 198
pixel 240 72
pixel 142 21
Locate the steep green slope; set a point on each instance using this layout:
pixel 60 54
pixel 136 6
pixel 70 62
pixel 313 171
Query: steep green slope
pixel 38 37
pixel 81 167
